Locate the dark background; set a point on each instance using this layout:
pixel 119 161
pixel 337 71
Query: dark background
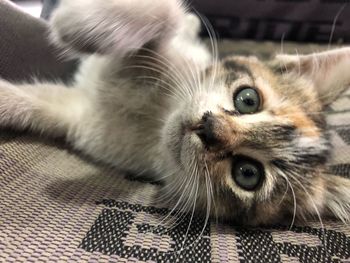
pixel 296 20
pixel 320 21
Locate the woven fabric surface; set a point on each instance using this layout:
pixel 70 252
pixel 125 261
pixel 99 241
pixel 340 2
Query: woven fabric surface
pixel 56 206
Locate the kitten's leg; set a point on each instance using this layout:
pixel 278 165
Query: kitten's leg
pixel 188 41
pixel 122 27
pixel 111 26
pixel 52 109
pixel 191 27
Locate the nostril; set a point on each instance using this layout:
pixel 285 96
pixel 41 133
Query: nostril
pixel 207 116
pixel 206 130
pixel 207 137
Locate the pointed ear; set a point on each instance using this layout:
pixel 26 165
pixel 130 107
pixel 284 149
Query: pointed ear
pixel 328 71
pixel 337 197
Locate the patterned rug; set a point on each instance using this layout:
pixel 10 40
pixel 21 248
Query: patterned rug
pixel 55 206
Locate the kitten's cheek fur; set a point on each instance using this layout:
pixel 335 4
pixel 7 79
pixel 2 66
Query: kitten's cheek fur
pixel 329 196
pixel 337 197
pixel 172 136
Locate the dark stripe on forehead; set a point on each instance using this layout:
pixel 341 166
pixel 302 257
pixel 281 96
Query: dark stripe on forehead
pixel 269 136
pixel 302 162
pixel 235 70
pixel 318 119
pixel 281 164
pixel 231 65
pixel 282 132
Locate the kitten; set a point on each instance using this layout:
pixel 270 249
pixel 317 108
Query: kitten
pixel 238 139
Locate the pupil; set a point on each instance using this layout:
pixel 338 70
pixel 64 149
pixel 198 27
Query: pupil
pixel 248 172
pixel 249 101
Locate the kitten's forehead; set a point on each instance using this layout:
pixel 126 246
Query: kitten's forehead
pixel 284 95
pixel 246 66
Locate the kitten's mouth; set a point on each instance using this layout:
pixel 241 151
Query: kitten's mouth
pixel 189 142
pixel 189 132
pixel 196 127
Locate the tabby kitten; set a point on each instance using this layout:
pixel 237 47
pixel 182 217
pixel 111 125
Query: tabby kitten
pixel 238 139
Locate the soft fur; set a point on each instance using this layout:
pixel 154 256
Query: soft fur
pixel 145 83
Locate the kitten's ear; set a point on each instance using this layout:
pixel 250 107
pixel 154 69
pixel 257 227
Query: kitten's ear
pixel 337 197
pixel 328 71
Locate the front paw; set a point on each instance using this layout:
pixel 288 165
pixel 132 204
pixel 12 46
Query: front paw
pixel 192 26
pixel 114 26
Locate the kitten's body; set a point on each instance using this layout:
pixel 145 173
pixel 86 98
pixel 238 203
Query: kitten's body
pixel 141 99
pixel 127 107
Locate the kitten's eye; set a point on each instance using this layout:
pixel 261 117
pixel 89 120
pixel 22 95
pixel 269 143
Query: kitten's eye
pixel 247 100
pixel 247 173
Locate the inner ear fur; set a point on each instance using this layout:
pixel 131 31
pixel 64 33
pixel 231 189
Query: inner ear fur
pixel 327 71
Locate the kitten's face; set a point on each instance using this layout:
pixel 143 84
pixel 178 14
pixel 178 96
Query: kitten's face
pixel 251 140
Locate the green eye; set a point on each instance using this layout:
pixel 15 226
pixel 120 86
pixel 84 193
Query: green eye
pixel 247 101
pixel 247 173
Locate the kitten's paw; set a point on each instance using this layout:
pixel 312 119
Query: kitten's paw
pixel 112 26
pixel 192 26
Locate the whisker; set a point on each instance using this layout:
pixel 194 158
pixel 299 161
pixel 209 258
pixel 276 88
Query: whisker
pixel 183 191
pixel 313 203
pixel 192 215
pixel 294 200
pixel 166 65
pixel 211 188
pixel 334 24
pixel 182 93
pixel 184 80
pixel 214 47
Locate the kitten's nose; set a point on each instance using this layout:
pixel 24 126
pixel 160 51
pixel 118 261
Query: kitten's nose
pixel 206 130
